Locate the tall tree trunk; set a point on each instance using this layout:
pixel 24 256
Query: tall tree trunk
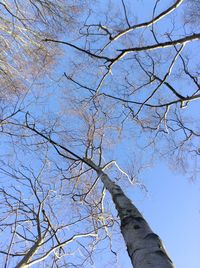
pixel 144 247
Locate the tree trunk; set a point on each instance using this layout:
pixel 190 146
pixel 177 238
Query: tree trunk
pixel 24 262
pixel 144 247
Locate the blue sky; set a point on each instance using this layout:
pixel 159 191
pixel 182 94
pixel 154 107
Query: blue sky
pixel 171 203
pixel 172 208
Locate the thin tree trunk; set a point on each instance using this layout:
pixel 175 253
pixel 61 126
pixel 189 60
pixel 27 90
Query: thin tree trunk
pixel 24 262
pixel 144 247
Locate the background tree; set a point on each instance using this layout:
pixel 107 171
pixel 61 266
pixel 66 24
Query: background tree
pixel 25 59
pixel 38 227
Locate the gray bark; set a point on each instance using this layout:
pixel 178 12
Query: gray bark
pixel 144 247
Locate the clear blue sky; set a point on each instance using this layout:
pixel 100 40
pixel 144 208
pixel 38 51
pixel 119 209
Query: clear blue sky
pixel 172 207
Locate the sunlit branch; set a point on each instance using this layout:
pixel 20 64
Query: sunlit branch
pixel 62 244
pixel 150 22
pixel 181 41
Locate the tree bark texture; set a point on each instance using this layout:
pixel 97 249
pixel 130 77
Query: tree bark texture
pixel 144 247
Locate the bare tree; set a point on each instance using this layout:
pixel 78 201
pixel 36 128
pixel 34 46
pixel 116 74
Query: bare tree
pixel 148 69
pixel 126 74
pixel 25 59
pixel 144 247
pixel 34 226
